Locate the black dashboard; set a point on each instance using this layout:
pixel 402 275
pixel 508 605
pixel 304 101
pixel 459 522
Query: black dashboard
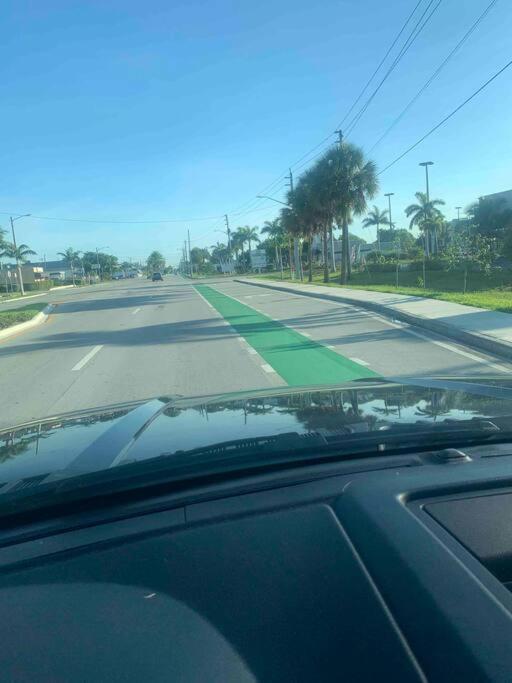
pixel 391 568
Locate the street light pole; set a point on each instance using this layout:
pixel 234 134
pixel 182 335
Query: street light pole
pixel 458 214
pixel 18 267
pixel 389 195
pixel 426 237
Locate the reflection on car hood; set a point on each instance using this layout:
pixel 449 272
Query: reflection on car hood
pixel 98 440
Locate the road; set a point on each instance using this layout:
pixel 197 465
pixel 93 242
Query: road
pixel 136 339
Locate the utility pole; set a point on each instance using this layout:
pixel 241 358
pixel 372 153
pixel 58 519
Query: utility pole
pixel 389 195
pixel 339 133
pixel 189 254
pixel 98 263
pixel 18 267
pixel 426 248
pixel 228 231
pixel 296 243
pixel 458 215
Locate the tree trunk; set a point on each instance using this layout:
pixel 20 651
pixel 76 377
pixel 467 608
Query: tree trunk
pixel 332 251
pixel 326 256
pixel 310 255
pixel 296 257
pixel 277 255
pixel 290 257
pixel 345 254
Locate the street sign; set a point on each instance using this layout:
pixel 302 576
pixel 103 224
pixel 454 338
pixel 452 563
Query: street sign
pixel 258 258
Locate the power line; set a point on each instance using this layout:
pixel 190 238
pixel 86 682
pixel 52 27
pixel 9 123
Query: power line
pixel 436 72
pixel 101 221
pixel 397 37
pixel 116 222
pixel 446 118
pixel 417 29
pixel 300 162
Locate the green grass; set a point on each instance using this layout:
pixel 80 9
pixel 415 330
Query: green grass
pixel 19 315
pixel 493 292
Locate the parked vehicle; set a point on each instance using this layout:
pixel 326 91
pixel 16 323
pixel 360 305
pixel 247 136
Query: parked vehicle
pixel 157 277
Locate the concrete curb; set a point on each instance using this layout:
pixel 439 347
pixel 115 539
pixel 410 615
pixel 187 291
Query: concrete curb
pixel 41 317
pixel 477 341
pixel 23 298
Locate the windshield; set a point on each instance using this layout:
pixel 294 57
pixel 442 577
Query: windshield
pixel 206 199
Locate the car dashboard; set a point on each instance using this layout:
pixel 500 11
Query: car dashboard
pixel 386 568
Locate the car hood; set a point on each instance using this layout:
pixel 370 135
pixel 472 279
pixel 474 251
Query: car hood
pixel 271 421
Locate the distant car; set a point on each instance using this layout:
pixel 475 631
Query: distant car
pixel 156 276
pixel 118 276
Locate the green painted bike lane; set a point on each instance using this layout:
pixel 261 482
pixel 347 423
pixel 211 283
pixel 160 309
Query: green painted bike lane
pixel 296 358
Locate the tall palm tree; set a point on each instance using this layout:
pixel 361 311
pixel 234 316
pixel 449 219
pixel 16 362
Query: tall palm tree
pixel 376 218
pixel 350 180
pixel 237 243
pixel 274 230
pixel 248 235
pixel 70 255
pixel 423 215
pixel 306 215
pixel 18 253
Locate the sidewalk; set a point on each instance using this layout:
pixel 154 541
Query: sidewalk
pixel 489 331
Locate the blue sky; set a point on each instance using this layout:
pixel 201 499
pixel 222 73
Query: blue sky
pixel 123 110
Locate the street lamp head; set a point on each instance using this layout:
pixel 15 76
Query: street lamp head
pixel 15 218
pixel 426 163
pixel 389 194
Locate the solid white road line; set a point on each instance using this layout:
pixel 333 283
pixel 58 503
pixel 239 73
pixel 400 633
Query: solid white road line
pixel 87 358
pixel 204 299
pixel 267 367
pixel 136 311
pixel 252 351
pixel 359 361
pixel 443 345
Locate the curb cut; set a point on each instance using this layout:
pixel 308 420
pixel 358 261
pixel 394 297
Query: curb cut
pixel 41 317
pixel 477 341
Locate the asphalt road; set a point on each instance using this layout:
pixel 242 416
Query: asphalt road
pixel 135 339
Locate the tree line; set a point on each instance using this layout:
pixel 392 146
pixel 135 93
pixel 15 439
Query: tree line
pixel 338 188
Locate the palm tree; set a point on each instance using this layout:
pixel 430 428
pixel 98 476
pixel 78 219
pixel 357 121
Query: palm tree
pixel 220 253
pixel 423 215
pixel 249 235
pixel 70 255
pixel 349 181
pixel 306 215
pixel 376 217
pixel 274 230
pixel 237 243
pixel 19 254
